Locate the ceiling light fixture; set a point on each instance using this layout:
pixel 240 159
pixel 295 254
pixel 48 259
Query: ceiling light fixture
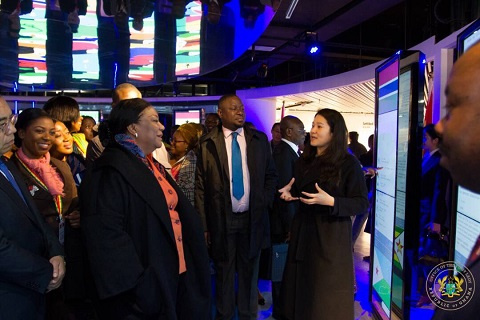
pixel 291 8
pixel 312 45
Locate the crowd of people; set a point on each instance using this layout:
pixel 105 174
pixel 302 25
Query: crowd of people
pixel 132 232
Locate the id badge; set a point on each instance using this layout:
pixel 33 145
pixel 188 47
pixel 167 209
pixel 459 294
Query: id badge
pixel 61 231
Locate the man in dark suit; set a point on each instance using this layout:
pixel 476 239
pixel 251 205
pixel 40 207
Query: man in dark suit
pixel 31 261
pixel 356 147
pixel 285 154
pixel 235 184
pixel 460 150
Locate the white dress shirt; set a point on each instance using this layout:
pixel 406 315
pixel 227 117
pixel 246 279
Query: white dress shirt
pixel 242 204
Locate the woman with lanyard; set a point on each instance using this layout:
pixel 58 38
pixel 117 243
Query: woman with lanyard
pixel 144 240
pixel 50 183
pixel 67 110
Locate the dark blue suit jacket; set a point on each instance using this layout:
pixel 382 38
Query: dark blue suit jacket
pixel 283 212
pixel 26 245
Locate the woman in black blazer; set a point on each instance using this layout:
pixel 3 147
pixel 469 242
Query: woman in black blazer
pixel 144 239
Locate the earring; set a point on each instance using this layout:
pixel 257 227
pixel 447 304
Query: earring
pixel 136 135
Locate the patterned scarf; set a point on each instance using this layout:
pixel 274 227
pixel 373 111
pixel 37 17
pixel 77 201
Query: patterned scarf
pixel 43 171
pixel 128 143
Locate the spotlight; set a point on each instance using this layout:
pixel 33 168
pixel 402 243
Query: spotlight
pixel 312 46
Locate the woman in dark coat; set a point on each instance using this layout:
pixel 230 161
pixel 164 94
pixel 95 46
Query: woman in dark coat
pixel 53 189
pixel 144 239
pixel 318 278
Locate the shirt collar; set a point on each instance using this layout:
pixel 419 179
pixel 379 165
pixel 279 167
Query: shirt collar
pixel 291 144
pixel 228 132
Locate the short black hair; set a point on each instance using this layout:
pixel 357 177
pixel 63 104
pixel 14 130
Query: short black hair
pixel 125 113
pixel 430 130
pixel 353 135
pixel 26 118
pixel 63 108
pixel 89 118
pixel 224 98
pixel 213 114
pixel 274 125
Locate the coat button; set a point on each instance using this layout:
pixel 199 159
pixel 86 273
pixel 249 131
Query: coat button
pixel 170 191
pixel 171 207
pixel 179 239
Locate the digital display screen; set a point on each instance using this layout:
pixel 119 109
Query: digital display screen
pixel 187 116
pixel 404 95
pixel 468 224
pixel 95 114
pixel 33 36
pixel 166 49
pixel 385 185
pixel 471 40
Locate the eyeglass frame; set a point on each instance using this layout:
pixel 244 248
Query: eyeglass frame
pixel 10 121
pixel 176 141
pixel 301 131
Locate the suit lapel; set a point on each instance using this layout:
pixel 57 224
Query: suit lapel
pixel 219 141
pixel 8 188
pixel 250 153
pixel 430 163
pixel 142 180
pixel 290 150
pixel 28 207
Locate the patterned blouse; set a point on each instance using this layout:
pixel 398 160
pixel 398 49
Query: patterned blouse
pixel 183 171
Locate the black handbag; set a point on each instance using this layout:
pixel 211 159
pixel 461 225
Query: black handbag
pixel 433 249
pixel 272 262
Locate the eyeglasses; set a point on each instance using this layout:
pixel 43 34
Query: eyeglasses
pixel 11 121
pixel 299 131
pixel 176 141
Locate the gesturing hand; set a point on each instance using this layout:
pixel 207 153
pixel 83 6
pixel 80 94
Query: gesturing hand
pixel 321 197
pixel 285 192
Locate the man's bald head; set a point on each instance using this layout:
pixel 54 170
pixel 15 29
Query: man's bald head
pixel 459 130
pixel 292 129
pixel 125 91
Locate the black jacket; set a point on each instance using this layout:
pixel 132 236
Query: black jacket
pixel 26 245
pixel 130 242
pixel 212 189
pixel 283 211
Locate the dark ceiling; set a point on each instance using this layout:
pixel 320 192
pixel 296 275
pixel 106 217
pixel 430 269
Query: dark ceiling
pixel 352 33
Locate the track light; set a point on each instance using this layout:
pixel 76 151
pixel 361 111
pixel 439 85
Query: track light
pixel 312 45
pixel 291 8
